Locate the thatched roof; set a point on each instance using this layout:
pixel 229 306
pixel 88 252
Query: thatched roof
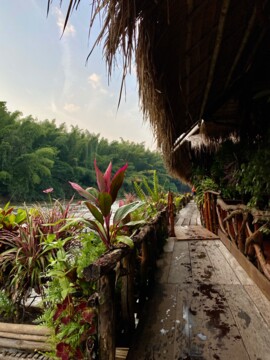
pixel 195 60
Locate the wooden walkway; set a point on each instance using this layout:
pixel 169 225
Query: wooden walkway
pixel 204 306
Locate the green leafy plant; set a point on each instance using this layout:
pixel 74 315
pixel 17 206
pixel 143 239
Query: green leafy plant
pixel 27 251
pixel 100 201
pixel 179 202
pixel 7 307
pixel 92 248
pixel 9 219
pixel 69 304
pixel 152 196
pixel 253 179
pixel 203 185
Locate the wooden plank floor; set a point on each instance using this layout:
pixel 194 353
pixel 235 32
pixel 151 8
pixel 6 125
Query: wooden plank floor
pixel 203 307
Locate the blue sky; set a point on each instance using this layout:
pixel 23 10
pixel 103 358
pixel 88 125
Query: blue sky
pixel 45 75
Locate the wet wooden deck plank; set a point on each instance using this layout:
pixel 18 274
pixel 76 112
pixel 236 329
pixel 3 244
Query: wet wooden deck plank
pixel 208 307
pixel 223 271
pixel 193 232
pixel 189 215
pixel 205 327
pixel 252 327
pixel 163 268
pixel 260 301
pixel 180 269
pixel 155 335
pixel 237 268
pixel 201 266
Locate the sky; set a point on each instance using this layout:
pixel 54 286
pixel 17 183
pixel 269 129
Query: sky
pixel 45 75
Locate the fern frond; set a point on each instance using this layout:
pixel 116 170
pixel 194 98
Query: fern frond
pixel 139 192
pixel 147 187
pixel 155 186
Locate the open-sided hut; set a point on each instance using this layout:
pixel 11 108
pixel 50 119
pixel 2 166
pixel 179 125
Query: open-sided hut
pixel 196 59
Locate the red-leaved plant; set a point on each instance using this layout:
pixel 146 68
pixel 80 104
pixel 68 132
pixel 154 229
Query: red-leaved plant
pixel 99 202
pixel 71 312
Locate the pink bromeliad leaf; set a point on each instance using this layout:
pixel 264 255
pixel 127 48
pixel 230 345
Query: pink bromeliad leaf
pixel 100 178
pixel 117 182
pixel 84 193
pixel 107 177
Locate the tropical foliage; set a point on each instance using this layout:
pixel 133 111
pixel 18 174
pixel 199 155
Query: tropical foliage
pixel 100 201
pixel 28 247
pixel 39 155
pixel 47 250
pixel 152 194
pixel 241 171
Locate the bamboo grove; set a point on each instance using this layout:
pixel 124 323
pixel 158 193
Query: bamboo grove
pixel 36 155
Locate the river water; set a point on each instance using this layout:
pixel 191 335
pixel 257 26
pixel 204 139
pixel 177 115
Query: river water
pixel 76 209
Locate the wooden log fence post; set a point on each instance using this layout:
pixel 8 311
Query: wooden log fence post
pixel 106 317
pixel 127 296
pixel 206 214
pixel 171 214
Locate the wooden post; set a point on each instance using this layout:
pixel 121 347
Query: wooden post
pixel 214 214
pixel 143 273
pixel 127 297
pixel 209 212
pixel 171 214
pixel 205 205
pixel 106 317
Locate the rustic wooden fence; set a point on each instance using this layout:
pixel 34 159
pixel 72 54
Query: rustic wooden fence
pixel 240 227
pixel 134 269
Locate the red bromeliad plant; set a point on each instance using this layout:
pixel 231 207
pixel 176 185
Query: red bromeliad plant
pixel 99 202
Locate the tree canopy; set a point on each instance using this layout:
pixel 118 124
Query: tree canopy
pixel 36 155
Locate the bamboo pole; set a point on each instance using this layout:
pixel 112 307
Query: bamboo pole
pixel 24 344
pixel 30 337
pixel 24 328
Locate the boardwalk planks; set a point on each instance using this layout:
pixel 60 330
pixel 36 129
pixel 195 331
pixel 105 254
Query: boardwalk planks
pixel 155 335
pixel 205 306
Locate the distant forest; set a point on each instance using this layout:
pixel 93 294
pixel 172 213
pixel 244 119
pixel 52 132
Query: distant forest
pixel 36 155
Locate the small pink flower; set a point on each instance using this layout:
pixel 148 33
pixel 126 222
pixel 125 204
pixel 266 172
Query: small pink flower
pixel 47 191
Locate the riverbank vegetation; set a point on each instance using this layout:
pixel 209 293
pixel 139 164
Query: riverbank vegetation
pixel 36 155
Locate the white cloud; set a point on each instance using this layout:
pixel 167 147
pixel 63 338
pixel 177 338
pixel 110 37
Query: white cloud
pixel 96 83
pixel 60 21
pixel 71 108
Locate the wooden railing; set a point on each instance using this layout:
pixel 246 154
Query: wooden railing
pixel 246 228
pixel 134 270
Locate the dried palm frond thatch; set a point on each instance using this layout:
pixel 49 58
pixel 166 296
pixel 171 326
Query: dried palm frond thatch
pixel 191 57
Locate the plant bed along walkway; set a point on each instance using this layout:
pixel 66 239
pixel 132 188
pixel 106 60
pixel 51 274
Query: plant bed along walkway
pixel 204 305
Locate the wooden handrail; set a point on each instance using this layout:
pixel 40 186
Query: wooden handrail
pixel 120 263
